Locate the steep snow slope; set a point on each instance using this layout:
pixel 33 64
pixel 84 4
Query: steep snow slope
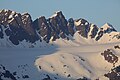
pixel 77 62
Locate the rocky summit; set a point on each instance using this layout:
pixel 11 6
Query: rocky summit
pixel 16 27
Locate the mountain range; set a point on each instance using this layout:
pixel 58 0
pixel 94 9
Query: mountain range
pixel 16 28
pixel 57 48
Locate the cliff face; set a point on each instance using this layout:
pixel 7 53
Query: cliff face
pixel 18 27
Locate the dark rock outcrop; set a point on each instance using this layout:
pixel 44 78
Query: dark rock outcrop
pixel 4 73
pixel 58 25
pixel 84 78
pixel 70 25
pixel 110 57
pixel 1 32
pixel 114 74
pixel 117 47
pixel 117 36
pixel 42 28
pixel 83 27
pixel 48 78
pixel 18 27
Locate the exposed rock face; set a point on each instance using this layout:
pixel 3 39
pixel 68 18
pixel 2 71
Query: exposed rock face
pixel 114 74
pixel 83 27
pixel 110 57
pixel 117 36
pixel 27 23
pixel 71 27
pixel 55 26
pixel 19 27
pixel 117 47
pixel 48 78
pixel 6 74
pixel 58 25
pixel 42 27
pixel 84 78
pixel 1 32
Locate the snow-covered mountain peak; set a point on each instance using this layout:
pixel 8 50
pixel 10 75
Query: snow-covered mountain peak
pixel 7 12
pixel 26 14
pixel 57 13
pixel 81 21
pixel 21 27
pixel 108 28
pixel 77 22
pixel 26 18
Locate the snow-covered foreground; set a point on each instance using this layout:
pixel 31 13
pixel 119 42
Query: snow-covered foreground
pixel 60 63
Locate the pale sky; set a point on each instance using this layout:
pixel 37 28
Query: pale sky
pixel 95 11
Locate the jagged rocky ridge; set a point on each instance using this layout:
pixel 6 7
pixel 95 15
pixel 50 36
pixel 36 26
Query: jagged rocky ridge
pixel 19 27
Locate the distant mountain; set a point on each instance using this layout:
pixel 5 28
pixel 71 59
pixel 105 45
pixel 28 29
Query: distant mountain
pixel 16 28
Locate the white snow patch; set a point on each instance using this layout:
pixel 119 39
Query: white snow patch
pixel 106 26
pixel 11 20
pixel 10 16
pixel 55 14
pixel 86 23
pixel 77 23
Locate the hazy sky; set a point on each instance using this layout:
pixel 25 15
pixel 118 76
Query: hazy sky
pixel 95 11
